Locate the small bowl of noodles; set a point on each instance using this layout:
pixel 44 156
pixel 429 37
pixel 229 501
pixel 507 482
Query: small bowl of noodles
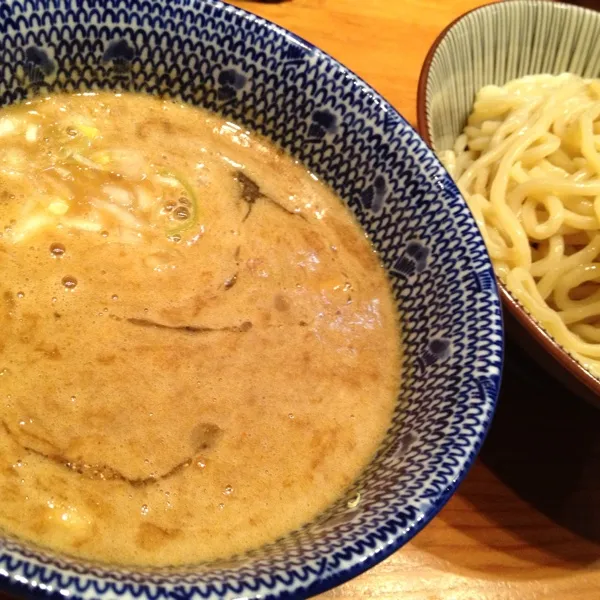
pixel 508 100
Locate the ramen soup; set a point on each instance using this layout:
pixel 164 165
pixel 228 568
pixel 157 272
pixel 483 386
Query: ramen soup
pixel 199 350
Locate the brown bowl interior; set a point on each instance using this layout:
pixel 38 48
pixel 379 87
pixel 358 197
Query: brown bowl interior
pixel 519 325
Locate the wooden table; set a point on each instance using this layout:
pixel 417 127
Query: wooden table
pixel 526 521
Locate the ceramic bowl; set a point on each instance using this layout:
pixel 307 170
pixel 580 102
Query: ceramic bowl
pixel 492 45
pixel 210 54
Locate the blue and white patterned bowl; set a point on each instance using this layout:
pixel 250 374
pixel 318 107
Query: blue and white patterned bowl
pixel 219 57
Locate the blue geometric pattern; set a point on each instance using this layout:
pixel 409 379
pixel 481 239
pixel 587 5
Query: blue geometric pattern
pixel 213 55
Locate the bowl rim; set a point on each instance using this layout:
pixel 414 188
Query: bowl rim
pixel 541 337
pixel 343 573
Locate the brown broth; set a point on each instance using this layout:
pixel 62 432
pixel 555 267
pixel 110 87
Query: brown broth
pixel 200 350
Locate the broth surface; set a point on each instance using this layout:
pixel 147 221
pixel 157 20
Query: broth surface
pixel 200 350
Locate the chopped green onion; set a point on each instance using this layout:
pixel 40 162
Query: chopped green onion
pixel 188 213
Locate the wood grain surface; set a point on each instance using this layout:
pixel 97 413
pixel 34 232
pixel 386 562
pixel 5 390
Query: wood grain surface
pixel 525 523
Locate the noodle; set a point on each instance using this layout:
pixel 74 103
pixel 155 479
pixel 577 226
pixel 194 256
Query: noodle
pixel 528 165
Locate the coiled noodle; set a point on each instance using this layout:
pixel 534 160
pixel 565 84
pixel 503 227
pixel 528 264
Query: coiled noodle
pixel 528 164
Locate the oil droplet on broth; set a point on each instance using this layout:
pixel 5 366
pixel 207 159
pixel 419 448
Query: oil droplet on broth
pixel 114 297
pixel 144 510
pixel 57 250
pixel 20 295
pixel 69 282
pixel 228 490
